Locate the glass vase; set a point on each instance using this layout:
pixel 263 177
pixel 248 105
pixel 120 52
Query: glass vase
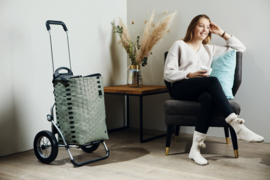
pixel 134 76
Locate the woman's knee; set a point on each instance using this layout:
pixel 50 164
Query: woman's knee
pixel 213 79
pixel 205 97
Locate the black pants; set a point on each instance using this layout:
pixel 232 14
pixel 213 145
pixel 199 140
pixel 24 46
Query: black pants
pixel 208 92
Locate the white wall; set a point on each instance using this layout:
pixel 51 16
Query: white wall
pixel 26 70
pixel 247 20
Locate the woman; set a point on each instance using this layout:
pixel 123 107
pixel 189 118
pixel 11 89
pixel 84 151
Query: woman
pixel 189 83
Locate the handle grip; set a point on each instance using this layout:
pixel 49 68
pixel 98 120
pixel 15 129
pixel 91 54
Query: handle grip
pixel 57 73
pixel 52 22
pixel 62 76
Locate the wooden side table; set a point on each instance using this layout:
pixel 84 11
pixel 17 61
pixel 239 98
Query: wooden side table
pixel 145 90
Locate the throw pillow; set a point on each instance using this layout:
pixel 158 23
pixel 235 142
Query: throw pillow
pixel 223 68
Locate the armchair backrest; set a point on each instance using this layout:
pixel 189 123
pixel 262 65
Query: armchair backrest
pixel 237 74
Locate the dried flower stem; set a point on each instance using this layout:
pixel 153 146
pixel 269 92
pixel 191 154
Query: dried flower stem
pixel 151 35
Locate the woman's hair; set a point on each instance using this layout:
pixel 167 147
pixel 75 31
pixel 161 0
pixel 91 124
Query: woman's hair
pixel 190 30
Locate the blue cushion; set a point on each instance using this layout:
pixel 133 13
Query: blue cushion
pixel 223 68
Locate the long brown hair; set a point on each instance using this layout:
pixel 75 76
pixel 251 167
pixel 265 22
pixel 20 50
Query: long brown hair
pixel 190 30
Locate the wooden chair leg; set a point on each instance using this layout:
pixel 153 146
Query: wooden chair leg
pixel 234 141
pixel 226 130
pixel 168 139
pixel 177 129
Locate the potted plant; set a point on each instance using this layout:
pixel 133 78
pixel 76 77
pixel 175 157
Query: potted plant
pixel 140 50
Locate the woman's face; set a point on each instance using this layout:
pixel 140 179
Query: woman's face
pixel 202 28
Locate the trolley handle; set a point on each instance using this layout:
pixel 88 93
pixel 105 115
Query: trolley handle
pixel 57 73
pixel 62 76
pixel 52 22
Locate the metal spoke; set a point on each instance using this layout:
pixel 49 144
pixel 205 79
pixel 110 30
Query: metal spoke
pixel 49 149
pixel 46 153
pixel 42 140
pixel 44 146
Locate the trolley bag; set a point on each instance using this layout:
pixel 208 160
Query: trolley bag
pixel 80 113
pixel 80 108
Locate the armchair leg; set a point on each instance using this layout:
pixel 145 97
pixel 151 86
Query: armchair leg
pixel 236 153
pixel 227 140
pixel 177 129
pixel 168 139
pixel 234 142
pixel 226 130
pixel 167 151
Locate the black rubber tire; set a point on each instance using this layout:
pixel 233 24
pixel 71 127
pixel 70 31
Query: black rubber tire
pixel 43 139
pixel 91 148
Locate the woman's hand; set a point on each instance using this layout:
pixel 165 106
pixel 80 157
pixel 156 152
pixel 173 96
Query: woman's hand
pixel 215 29
pixel 197 74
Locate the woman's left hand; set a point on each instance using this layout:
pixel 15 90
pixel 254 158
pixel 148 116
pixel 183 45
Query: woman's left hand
pixel 215 29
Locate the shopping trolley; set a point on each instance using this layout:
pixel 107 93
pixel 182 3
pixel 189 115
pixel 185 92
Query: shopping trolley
pixel 80 113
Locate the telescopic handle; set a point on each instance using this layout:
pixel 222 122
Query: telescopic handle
pixel 52 22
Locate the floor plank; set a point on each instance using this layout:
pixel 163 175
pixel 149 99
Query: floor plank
pixel 130 160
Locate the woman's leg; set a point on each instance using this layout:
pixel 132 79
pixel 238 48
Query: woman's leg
pixel 205 114
pixel 196 89
pixel 191 89
pixel 187 91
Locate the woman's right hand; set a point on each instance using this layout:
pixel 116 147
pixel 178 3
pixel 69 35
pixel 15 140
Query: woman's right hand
pixel 197 74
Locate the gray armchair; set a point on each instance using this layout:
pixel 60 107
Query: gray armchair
pixel 183 113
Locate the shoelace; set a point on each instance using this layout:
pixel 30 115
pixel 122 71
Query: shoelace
pixel 201 142
pixel 239 120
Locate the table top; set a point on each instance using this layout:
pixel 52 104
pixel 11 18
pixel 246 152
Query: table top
pixel 125 89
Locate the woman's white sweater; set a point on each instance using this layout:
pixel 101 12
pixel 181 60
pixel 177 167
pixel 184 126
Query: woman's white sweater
pixel 182 59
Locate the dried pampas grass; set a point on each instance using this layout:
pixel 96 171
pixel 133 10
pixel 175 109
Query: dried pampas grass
pixel 125 39
pixel 152 36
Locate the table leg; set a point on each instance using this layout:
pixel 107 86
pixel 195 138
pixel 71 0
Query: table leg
pixel 141 119
pixel 127 113
pixel 141 125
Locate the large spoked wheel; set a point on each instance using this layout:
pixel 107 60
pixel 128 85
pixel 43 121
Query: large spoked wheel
pixel 45 147
pixel 90 148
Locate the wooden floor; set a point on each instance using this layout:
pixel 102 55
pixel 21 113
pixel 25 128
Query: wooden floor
pixel 130 159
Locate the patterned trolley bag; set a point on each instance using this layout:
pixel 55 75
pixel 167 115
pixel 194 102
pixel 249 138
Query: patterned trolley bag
pixel 80 109
pixel 80 113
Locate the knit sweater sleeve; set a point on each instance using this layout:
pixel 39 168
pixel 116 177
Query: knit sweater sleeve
pixel 171 68
pixel 231 43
